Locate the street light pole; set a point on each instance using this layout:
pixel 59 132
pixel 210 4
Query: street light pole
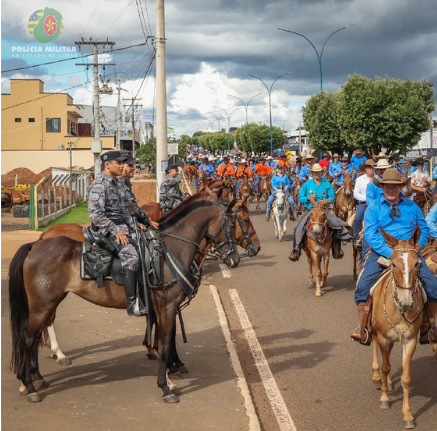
pixel 246 105
pixel 229 123
pixel 269 90
pixel 217 118
pixel 319 56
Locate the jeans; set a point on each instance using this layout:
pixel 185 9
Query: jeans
pixel 372 270
pixel 359 217
pixel 272 198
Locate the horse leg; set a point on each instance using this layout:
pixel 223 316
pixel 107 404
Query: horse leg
pixel 317 270
pixel 384 345
pixel 375 365
pixel 325 269
pixel 51 342
pixel 152 351
pixel 407 356
pixel 310 267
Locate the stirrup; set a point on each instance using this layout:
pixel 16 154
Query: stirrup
pixel 427 337
pixel 357 337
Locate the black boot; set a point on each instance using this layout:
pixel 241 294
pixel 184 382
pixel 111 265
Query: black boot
pixel 130 286
pixel 337 252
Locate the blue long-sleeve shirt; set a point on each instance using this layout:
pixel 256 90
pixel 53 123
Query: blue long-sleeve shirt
pixel 378 215
pixel 304 173
pixel 207 168
pixel 282 181
pixel 335 168
pixel 356 162
pixel 431 220
pixel 434 173
pixel 340 179
pixel 323 191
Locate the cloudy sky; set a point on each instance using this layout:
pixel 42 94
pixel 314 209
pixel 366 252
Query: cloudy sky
pixel 212 47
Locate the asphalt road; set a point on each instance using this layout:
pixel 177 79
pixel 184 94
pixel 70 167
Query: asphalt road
pixel 324 377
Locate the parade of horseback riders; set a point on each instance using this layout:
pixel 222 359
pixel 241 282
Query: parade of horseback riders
pixel 149 259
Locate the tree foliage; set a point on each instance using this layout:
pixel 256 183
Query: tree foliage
pixel 256 138
pixel 384 113
pixel 147 153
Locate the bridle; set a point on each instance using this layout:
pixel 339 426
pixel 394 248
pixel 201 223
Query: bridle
pixel 246 235
pixel 324 229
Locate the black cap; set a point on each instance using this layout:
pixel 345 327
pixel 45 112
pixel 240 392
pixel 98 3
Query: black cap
pixel 113 155
pixel 130 160
pixel 170 167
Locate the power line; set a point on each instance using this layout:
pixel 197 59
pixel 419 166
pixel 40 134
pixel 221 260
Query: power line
pixel 73 58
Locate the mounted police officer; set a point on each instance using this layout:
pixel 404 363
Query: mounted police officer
pixel 126 191
pixel 398 216
pixel 109 215
pixel 170 194
pixel 317 190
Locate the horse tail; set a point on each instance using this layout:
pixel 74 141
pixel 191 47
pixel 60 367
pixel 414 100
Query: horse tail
pixel 18 307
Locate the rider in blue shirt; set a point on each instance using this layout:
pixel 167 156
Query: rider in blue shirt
pixel 357 160
pixel 398 216
pixel 335 166
pixel 207 167
pixel 431 220
pixel 306 172
pixel 281 181
pixel 317 190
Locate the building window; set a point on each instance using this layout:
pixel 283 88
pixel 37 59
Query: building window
pixel 18 120
pixel 31 120
pixel 53 125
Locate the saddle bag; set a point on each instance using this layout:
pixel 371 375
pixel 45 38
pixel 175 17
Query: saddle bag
pixel 95 263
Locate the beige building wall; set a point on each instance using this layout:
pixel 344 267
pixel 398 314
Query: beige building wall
pixel 29 122
pixel 37 161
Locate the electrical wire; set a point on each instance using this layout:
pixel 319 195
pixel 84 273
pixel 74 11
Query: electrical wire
pixel 92 16
pixel 117 19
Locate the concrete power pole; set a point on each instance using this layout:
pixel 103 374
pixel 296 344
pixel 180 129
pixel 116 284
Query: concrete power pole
pixel 161 96
pixel 96 144
pixel 133 107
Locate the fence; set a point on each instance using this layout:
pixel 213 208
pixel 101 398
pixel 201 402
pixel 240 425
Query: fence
pixel 54 195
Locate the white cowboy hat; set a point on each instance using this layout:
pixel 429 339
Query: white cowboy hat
pixel 269 158
pixel 382 164
pixel 243 161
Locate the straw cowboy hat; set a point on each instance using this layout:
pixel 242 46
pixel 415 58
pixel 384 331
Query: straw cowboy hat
pixel 309 156
pixel 382 164
pixel 335 155
pixel 391 176
pixel 381 155
pixel 344 159
pixel 359 151
pixel 316 168
pixel 365 164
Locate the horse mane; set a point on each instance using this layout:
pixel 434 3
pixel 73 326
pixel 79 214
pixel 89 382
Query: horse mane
pixel 193 203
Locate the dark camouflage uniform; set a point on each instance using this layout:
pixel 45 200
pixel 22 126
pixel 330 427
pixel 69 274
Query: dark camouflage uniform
pixel 107 211
pixel 131 201
pixel 170 195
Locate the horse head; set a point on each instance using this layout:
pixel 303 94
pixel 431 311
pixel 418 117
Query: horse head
pixel 405 266
pixel 245 233
pixel 318 220
pixel 280 199
pixel 348 184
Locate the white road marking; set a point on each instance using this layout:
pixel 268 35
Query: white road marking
pixel 235 362
pixel 274 395
pixel 225 271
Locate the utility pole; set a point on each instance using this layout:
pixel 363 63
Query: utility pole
pixel 133 107
pixel 161 96
pixel 300 141
pixel 118 114
pixel 96 144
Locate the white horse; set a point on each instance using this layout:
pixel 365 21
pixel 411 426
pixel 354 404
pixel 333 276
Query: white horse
pixel 280 211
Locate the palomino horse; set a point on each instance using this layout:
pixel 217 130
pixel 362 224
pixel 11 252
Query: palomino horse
pixel 280 211
pixel 55 263
pixel 265 188
pixel 317 245
pixel 344 198
pixel 245 190
pixel 397 317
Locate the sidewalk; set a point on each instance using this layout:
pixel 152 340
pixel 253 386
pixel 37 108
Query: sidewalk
pixel 111 385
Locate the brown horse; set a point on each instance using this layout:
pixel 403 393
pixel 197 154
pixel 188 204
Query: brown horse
pixel 397 317
pixel 265 188
pixel 190 172
pixel 317 245
pixel 298 205
pixel 245 190
pixel 55 263
pixel 344 198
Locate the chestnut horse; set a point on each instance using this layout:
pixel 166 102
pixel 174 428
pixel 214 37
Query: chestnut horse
pixel 265 188
pixel 245 188
pixel 55 262
pixel 317 246
pixel 397 317
pixel 344 198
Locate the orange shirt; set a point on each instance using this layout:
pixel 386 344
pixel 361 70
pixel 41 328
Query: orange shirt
pixel 228 169
pixel 284 163
pixel 247 171
pixel 262 169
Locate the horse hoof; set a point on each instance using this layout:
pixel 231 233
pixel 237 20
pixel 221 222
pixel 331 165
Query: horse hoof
pixel 40 384
pixel 64 361
pixel 318 294
pixel 33 398
pixel 377 384
pixel 175 376
pixel 23 391
pixel 409 424
pixel 152 356
pixel 171 399
pixel 384 405
pixel 183 369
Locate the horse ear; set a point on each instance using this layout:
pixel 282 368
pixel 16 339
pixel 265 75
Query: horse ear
pixel 342 172
pixel 231 205
pixel 244 201
pixel 415 237
pixel 390 240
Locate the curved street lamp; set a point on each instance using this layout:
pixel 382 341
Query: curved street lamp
pixel 217 118
pixel 319 56
pixel 269 90
pixel 246 105
pixel 229 123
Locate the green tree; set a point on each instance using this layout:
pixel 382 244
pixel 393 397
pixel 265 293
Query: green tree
pixel 147 153
pixel 320 120
pixel 385 113
pixel 256 138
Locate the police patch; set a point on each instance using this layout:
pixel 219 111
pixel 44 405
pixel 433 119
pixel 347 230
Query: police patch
pixel 94 196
